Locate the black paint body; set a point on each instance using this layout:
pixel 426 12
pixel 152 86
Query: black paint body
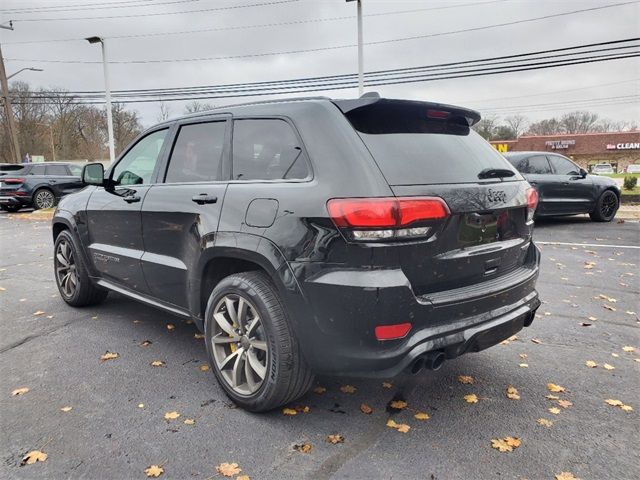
pixel 463 289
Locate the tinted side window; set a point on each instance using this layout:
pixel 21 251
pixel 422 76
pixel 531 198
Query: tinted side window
pixel 197 153
pixel 137 166
pixel 538 165
pixel 562 166
pixel 58 170
pixel 37 170
pixel 267 150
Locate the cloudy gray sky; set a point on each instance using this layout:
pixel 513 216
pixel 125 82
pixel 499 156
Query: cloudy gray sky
pixel 537 94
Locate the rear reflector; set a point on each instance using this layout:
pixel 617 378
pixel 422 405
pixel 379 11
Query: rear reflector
pixel 11 181
pixel 392 332
pixel 389 212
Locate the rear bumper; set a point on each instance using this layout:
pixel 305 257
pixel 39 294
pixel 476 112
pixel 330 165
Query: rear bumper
pixel 348 305
pixel 14 200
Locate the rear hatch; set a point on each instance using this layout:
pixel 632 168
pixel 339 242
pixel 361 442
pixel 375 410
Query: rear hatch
pixel 429 150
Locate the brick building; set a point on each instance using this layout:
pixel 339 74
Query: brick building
pixel 586 149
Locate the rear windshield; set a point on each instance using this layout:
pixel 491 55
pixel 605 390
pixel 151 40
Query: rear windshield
pixel 10 168
pixel 412 149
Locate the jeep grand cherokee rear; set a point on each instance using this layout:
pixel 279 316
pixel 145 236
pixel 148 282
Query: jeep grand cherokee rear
pixel 359 237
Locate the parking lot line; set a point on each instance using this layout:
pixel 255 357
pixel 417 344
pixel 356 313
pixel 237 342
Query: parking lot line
pixel 587 245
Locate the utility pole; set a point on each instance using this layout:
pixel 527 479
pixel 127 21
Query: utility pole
pixel 107 89
pixel 360 50
pixel 12 132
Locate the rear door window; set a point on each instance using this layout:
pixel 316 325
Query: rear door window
pixel 538 165
pixel 37 170
pixel 197 153
pixel 57 170
pixel 267 149
pixel 562 166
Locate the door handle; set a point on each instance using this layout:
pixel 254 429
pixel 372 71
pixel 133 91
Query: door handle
pixel 51 182
pixel 533 183
pixel 204 198
pixel 131 198
pixel 565 183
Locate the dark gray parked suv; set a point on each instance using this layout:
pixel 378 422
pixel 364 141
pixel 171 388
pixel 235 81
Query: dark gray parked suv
pixel 344 237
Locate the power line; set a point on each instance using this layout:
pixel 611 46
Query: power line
pixel 296 82
pixel 319 88
pixel 265 25
pixel 336 47
pixel 156 14
pixel 92 6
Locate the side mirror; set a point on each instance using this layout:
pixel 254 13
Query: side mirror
pixel 583 173
pixel 93 174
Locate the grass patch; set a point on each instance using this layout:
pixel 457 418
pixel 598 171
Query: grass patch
pixel 620 175
pixel 635 191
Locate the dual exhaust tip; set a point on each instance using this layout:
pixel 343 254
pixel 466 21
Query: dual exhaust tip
pixel 429 361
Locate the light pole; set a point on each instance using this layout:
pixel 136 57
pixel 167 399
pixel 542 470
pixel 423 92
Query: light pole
pixel 14 146
pixel 33 69
pixel 360 50
pixel 112 153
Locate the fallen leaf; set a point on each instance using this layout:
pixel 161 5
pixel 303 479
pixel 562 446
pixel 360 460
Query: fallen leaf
pixel 337 438
pixel 472 398
pixel 109 356
pixel 401 427
pixel 506 444
pixel 170 326
pixel 198 336
pixel 319 390
pixel 203 368
pixel 536 341
pixel 38 313
pixel 614 403
pixel 398 404
pixel 591 364
pixel 552 397
pixel 366 409
pixel 146 343
pixel 302 448
pixel 584 324
pixel 243 477
pixel 523 355
pixel 565 476
pixel 629 312
pixel 608 367
pixel 34 456
pixel 289 411
pixel 158 363
pixel 228 469
pixel 512 393
pixel 555 388
pixel 2 289
pixel 626 408
pixel 607 298
pixel 466 379
pixel 386 385
pixel 513 442
pixel 609 307
pixel 66 409
pixel 19 391
pixel 189 421
pixel 302 409
pixel 554 410
pixel 523 365
pixel 348 389
pixel 628 349
pixel 593 319
pixel 141 405
pixel 171 415
pixel 544 422
pixel 421 416
pixel 565 403
pixel 615 355
pixel 154 471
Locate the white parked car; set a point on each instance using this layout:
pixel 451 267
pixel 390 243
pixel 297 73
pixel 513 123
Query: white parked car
pixel 633 168
pixel 602 168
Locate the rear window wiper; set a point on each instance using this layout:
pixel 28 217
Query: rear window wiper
pixel 496 173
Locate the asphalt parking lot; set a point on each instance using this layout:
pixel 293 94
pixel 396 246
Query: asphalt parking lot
pixel 116 426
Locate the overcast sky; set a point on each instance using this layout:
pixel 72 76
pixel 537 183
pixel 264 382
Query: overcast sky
pixel 521 90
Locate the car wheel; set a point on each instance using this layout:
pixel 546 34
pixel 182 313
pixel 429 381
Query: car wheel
pixel 250 344
pixel 606 207
pixel 44 198
pixel 72 277
pixel 10 208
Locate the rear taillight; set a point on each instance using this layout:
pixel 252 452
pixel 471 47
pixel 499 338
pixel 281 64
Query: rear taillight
pixel 12 180
pixel 389 218
pixel 532 203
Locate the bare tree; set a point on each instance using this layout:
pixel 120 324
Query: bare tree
pixel 578 122
pixel 196 106
pixel 126 126
pixel 517 124
pixel 486 127
pixel 165 112
pixel 549 126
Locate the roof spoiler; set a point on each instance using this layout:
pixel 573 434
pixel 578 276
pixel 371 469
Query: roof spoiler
pixel 471 117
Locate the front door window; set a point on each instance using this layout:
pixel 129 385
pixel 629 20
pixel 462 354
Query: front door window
pixel 139 163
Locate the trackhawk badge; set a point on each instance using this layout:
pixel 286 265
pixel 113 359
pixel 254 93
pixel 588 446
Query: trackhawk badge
pixel 496 196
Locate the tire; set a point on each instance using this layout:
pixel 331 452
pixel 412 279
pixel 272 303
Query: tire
pixel 285 374
pixel 44 198
pixel 606 207
pixel 77 289
pixel 11 208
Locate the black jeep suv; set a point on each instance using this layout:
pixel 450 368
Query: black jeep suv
pixel 364 237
